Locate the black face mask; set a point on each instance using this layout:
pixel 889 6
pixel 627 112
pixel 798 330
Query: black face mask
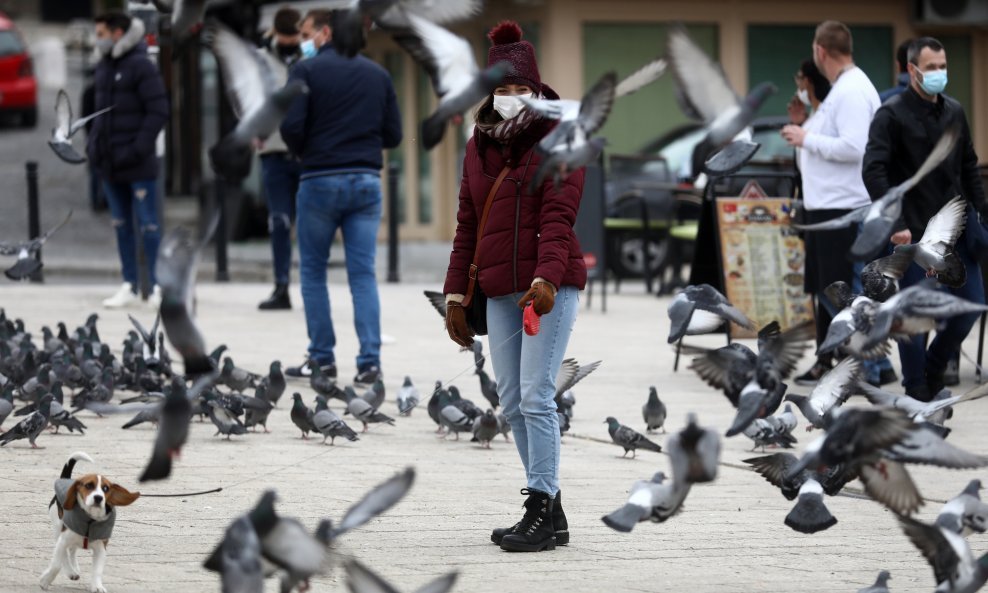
pixel 287 51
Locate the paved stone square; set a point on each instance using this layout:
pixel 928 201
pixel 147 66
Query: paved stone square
pixel 730 537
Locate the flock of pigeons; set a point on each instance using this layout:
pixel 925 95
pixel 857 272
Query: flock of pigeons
pixel 872 444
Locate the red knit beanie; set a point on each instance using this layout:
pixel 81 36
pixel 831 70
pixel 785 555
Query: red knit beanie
pixel 508 46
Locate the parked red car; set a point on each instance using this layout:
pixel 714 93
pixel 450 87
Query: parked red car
pixel 18 87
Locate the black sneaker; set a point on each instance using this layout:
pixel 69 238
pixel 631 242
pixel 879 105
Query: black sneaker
pixel 812 376
pixel 887 376
pixel 305 372
pixel 920 393
pixel 367 376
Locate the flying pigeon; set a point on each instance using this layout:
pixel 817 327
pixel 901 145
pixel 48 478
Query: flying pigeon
pixel 258 99
pixel 965 513
pixel 241 559
pixel 934 411
pixel 628 438
pixel 694 453
pixel 449 61
pixel 917 310
pixel 570 373
pixel 955 569
pixel 349 31
pixel 66 127
pixel 26 251
pixel 764 433
pixel 881 216
pixel 657 500
pixel 178 262
pixel 361 579
pixel 701 309
pixel 173 426
pixel 654 412
pixel 706 95
pixel 831 391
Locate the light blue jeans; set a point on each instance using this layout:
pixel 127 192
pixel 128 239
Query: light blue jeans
pixel 525 368
pixel 350 202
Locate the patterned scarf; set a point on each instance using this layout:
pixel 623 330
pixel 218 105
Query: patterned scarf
pixel 503 130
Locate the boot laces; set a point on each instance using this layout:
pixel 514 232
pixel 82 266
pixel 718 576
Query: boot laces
pixel 534 516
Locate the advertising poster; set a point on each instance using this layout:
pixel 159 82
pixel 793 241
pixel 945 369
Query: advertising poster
pixel 763 260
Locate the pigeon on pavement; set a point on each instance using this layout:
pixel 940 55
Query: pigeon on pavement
pixel 452 418
pixel 881 584
pixel 225 421
pixel 701 309
pixel 260 409
pixel 301 415
pixel 363 411
pixel 408 397
pixel 656 500
pixel 375 395
pixel 30 427
pixel 955 569
pixel 257 98
pixel 26 251
pixel 274 383
pixel 66 127
pixel 654 412
pixel 361 579
pixel 965 513
pixel 329 425
pixel 628 438
pixel 694 453
pixel 449 61
pixel 6 401
pixel 880 217
pixel 485 428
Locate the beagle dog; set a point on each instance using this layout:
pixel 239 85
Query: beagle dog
pixel 83 512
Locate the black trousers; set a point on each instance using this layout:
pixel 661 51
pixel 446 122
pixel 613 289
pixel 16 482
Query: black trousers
pixel 827 262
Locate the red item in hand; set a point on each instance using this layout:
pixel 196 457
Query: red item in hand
pixel 530 320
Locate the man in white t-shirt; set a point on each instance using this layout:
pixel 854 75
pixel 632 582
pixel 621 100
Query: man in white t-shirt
pixel 832 145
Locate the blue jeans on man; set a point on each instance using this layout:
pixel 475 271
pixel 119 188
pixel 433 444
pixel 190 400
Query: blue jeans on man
pixel 350 202
pixel 920 363
pixel 525 368
pixel 124 200
pixel 280 175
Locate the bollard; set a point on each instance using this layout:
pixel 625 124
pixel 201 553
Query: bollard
pixel 393 222
pixel 222 273
pixel 33 212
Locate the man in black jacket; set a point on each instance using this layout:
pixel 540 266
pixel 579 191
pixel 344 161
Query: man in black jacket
pixel 901 136
pixel 339 131
pixel 122 144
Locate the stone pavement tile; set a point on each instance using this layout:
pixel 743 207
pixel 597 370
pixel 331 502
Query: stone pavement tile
pixel 729 538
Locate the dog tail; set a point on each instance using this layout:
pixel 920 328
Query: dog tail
pixel 70 464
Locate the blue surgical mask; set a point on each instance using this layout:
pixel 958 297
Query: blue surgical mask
pixel 308 48
pixel 934 82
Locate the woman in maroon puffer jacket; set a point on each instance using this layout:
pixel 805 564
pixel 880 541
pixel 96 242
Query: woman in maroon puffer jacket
pixel 528 254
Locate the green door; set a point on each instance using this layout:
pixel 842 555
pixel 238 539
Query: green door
pixel 776 51
pixel 624 47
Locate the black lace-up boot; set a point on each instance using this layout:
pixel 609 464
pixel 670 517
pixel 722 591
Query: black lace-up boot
pixel 558 522
pixel 534 532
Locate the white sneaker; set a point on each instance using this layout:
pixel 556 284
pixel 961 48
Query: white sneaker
pixel 123 297
pixel 154 299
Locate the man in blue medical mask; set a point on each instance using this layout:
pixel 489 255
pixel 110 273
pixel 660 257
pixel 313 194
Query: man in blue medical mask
pixel 314 34
pixel 901 136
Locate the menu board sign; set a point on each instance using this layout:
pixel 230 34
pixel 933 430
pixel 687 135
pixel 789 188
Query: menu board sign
pixel 763 262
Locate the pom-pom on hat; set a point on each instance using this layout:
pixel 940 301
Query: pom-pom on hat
pixel 508 46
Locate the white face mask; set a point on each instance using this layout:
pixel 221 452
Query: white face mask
pixel 509 106
pixel 804 96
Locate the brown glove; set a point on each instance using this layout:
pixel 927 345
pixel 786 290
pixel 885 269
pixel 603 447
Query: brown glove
pixel 542 295
pixel 456 324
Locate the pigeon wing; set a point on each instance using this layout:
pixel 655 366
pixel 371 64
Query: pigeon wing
pixel 63 112
pixel 597 103
pixel 773 467
pixel 889 483
pixel 445 11
pixel 378 500
pixel 80 123
pixel 926 447
pixel 894 265
pixel 947 224
pixel 852 217
pixel 450 55
pixel 360 579
pixel 836 385
pixel 437 300
pixel 935 547
pixel 641 78
pixel 572 373
pixel 245 73
pixel 440 585
pixel 701 80
pixel 38 242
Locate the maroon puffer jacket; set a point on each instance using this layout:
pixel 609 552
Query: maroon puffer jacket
pixel 528 234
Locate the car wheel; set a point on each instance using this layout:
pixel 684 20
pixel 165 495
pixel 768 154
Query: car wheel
pixel 626 259
pixel 29 118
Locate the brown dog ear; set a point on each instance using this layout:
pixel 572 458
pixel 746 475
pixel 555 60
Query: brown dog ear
pixel 119 496
pixel 71 495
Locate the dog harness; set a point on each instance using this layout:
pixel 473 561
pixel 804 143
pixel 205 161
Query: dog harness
pixel 78 521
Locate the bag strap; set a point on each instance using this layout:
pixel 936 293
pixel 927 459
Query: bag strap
pixel 472 273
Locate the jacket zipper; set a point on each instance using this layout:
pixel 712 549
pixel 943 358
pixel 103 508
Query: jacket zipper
pixel 514 254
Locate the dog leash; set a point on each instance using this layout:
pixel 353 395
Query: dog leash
pixel 213 491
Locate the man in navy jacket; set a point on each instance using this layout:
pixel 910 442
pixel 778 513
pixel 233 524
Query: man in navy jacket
pixel 122 144
pixel 339 131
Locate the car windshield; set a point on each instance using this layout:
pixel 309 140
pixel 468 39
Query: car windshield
pixel 774 146
pixel 678 154
pixel 10 44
